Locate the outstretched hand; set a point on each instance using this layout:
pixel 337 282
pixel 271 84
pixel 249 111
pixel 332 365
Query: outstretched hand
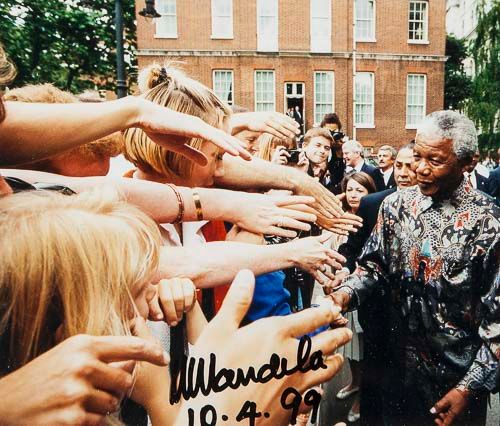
pixel 78 381
pixel 234 347
pixel 327 204
pixel 171 129
pixel 313 256
pixel 342 225
pixel 274 123
pixel 273 214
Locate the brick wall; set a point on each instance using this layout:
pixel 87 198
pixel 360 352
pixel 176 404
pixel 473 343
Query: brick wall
pixel 392 57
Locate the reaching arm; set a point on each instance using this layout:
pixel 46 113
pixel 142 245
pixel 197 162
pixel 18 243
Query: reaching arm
pixel 261 213
pixel 260 174
pixel 36 131
pixel 218 262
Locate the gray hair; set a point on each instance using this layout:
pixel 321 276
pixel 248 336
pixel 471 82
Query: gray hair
pixel 454 126
pixel 352 145
pixel 389 148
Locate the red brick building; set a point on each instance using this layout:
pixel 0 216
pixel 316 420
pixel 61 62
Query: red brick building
pixel 275 54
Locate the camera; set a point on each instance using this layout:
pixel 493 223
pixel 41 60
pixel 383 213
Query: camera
pixel 336 135
pixel 294 155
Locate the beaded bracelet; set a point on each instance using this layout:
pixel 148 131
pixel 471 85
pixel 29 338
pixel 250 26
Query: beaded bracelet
pixel 197 204
pixel 180 200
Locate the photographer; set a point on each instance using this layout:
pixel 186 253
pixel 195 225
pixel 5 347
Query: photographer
pixel 336 164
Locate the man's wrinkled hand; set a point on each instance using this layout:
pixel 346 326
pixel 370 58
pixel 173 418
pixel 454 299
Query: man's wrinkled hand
pixel 451 406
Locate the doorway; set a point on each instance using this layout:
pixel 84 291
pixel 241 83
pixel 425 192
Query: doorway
pixel 294 103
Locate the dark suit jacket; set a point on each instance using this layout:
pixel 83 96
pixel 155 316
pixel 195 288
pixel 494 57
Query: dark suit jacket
pixel 368 211
pixel 391 183
pixel 494 184
pixel 375 174
pixel 482 182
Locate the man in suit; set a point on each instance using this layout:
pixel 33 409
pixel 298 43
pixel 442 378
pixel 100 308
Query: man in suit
pixel 372 316
pixel 477 180
pixel 494 184
pixel 386 156
pixel 352 151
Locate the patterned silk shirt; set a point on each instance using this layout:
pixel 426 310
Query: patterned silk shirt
pixel 437 263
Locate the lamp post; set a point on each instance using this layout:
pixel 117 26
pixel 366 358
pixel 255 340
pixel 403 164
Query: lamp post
pixel 121 82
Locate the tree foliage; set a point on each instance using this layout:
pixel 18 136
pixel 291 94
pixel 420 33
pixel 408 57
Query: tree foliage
pixel 70 43
pixel 457 84
pixel 484 104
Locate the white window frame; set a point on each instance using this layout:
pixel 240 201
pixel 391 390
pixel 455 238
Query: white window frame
pixel 371 123
pixel 224 35
pixel 316 103
pixel 372 39
pixel 413 126
pixel 214 73
pixel 255 90
pixel 158 20
pixel 267 45
pixel 425 40
pixel 321 44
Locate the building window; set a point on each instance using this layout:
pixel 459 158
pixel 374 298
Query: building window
pixel 166 26
pixel 323 94
pixel 321 26
pixel 415 99
pixel 222 19
pixel 267 25
pixel 265 94
pixel 365 96
pixel 417 22
pixel 365 20
pixel 223 85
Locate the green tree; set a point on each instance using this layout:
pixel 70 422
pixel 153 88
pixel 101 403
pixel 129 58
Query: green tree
pixel 484 104
pixel 70 43
pixel 457 84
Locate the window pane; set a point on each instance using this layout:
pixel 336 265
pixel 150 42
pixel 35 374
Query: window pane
pixel 364 99
pixel 321 25
pixel 323 94
pixel 264 91
pixel 417 20
pixel 365 19
pixel 166 25
pixel 415 99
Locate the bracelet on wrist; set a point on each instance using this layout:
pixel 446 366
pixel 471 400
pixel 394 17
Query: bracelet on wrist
pixel 197 204
pixel 180 200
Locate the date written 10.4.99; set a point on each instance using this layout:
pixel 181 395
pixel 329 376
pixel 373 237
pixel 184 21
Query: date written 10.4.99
pixel 291 399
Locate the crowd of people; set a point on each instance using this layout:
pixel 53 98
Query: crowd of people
pixel 231 243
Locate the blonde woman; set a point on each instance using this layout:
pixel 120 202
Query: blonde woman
pixel 173 89
pixel 87 265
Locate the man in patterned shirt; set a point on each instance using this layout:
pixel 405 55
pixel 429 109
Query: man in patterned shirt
pixel 435 251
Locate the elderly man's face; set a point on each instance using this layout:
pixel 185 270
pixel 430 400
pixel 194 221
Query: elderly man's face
pixel 439 172
pixel 385 160
pixel 351 157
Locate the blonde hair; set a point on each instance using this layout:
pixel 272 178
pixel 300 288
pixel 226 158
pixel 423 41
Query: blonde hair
pixel 267 143
pixel 170 87
pixel 69 262
pixel 47 93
